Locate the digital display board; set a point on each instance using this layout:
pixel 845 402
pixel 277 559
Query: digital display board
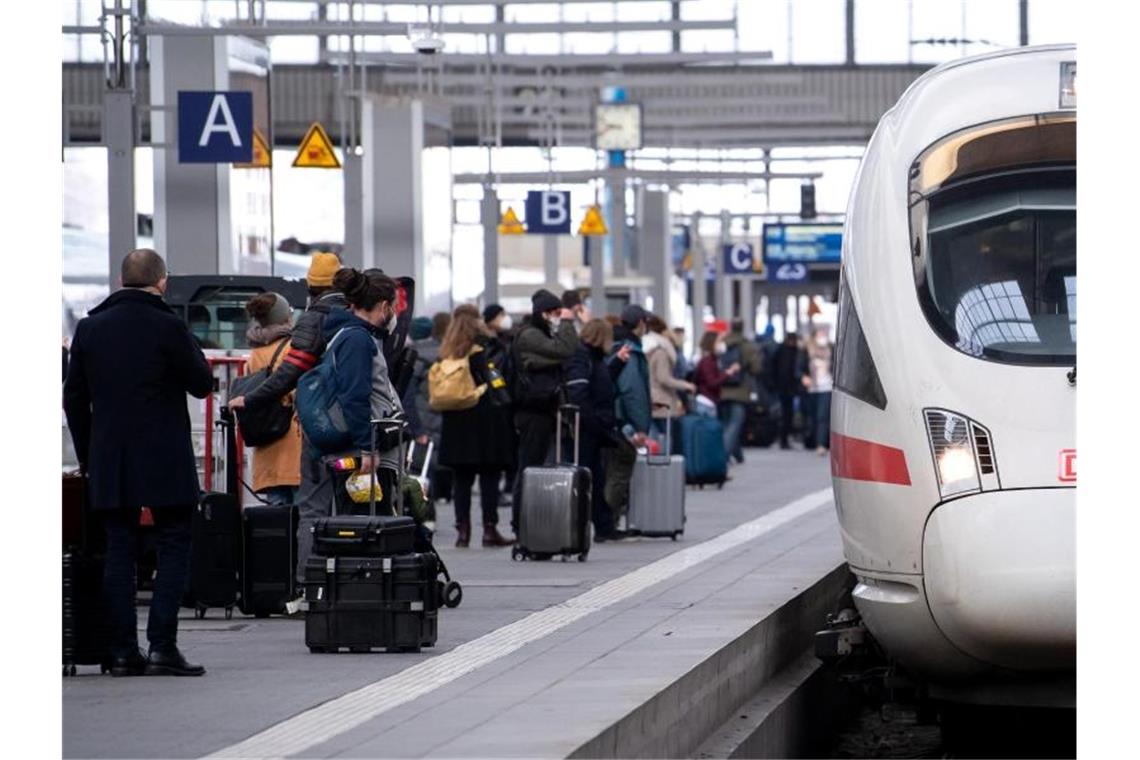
pixel 801 243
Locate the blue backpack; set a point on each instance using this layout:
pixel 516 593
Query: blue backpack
pixel 318 409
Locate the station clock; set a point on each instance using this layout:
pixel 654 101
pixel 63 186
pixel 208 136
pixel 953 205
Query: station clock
pixel 617 126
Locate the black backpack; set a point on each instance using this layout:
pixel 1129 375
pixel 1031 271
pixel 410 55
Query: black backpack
pixel 264 423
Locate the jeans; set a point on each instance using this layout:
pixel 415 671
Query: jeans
pixel 172 541
pixel 732 414
pixel 488 493
pixel 821 418
pixel 279 496
pixel 600 513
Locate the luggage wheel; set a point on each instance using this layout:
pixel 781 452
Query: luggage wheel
pixel 517 554
pixel 199 613
pixel 720 485
pixel 674 536
pixel 317 650
pixel 565 557
pixel 68 670
pixel 103 667
pixel 452 594
pixel 582 556
pixel 229 612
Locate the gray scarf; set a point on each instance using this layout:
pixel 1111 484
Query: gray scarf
pixel 263 336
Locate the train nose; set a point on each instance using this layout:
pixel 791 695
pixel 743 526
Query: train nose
pixel 1000 575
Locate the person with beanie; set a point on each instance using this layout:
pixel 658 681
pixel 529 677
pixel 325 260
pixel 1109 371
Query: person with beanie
pixel 307 345
pixel 539 354
pixel 276 465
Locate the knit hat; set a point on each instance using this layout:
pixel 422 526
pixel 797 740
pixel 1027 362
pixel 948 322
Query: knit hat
pixel 492 311
pixel 280 312
pixel 322 268
pixel 420 328
pixel 633 314
pixel 543 301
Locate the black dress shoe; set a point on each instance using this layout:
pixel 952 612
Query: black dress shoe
pixel 171 663
pixel 133 664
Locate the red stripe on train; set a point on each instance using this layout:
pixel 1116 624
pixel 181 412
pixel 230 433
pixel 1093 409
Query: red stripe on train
pixel 857 459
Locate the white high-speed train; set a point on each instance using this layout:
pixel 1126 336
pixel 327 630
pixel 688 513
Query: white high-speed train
pixel 953 448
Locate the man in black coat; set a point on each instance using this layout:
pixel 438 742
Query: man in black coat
pixel 132 363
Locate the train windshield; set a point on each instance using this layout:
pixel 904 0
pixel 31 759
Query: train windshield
pixel 996 261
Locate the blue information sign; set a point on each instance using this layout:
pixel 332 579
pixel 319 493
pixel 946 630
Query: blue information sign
pixel 548 212
pixel 802 243
pixel 739 258
pixel 215 127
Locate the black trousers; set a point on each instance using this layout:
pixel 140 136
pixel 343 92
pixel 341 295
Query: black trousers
pixel 172 543
pixel 590 456
pixel 787 402
pixel 488 493
pixel 536 442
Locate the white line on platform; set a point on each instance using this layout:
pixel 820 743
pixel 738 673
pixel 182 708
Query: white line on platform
pixel 330 719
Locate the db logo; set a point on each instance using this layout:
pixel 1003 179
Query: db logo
pixel 401 300
pixel 1067 467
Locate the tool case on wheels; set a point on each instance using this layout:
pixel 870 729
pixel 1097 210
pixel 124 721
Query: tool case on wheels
pixel 366 586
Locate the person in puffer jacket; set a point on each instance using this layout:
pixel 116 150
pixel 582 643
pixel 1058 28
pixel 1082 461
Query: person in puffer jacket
pixel 355 336
pixel 664 387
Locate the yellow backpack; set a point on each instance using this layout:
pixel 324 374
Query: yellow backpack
pixel 451 387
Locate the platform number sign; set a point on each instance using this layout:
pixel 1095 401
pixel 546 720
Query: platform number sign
pixel 739 258
pixel 215 127
pixel 548 212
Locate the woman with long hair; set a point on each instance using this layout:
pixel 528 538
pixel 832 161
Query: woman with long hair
pixel 475 442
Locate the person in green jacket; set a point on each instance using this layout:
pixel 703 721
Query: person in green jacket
pixel 736 393
pixel 539 354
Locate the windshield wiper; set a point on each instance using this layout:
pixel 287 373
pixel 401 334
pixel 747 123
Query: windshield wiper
pixel 1072 375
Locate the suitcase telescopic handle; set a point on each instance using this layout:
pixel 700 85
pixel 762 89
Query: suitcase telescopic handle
pixel 668 426
pixel 558 431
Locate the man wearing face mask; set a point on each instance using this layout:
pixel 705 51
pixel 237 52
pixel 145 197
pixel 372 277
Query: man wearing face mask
pixel 539 354
pixel 572 300
pixel 500 324
pixel 633 409
pixel 132 363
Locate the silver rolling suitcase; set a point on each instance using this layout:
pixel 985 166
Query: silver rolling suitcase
pixel 657 492
pixel 554 517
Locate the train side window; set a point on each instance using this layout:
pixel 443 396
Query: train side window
pixel 855 371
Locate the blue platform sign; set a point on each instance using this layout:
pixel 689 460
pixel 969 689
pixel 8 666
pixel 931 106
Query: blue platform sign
pixel 788 272
pixel 739 258
pixel 802 243
pixel 215 127
pixel 548 212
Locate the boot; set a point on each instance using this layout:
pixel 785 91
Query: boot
pixel 492 537
pixel 464 539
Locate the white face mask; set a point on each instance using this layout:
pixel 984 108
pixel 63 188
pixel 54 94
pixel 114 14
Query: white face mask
pixel 506 322
pixel 721 348
pixel 555 323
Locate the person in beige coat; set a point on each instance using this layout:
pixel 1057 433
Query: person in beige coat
pixel 276 465
pixel 664 388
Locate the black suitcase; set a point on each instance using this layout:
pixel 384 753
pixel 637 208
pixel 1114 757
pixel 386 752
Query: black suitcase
pixel 366 603
pixel 268 559
pixel 86 639
pixel 363 536
pixel 215 554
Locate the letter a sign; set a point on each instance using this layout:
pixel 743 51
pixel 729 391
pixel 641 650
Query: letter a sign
pixel 215 127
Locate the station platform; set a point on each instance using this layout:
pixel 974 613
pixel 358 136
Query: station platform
pixel 643 650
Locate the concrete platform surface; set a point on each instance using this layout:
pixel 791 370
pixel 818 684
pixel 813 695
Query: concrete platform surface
pixel 541 659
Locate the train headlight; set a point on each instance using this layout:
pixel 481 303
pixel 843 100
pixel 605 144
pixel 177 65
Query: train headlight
pixel 955 458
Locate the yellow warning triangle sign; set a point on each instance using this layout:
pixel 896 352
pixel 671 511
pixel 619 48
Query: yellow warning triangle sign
pixel 510 224
pixel 316 151
pixel 262 156
pixel 593 224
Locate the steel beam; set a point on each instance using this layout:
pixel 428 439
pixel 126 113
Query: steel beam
pixel 536 61
pixel 390 29
pixel 700 284
pixel 578 177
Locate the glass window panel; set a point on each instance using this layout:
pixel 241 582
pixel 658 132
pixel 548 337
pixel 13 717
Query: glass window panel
pixel 881 31
pixel 294 49
pixel 819 31
pixel 1050 21
pixel 645 42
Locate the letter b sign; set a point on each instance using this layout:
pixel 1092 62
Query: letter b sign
pixel 548 212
